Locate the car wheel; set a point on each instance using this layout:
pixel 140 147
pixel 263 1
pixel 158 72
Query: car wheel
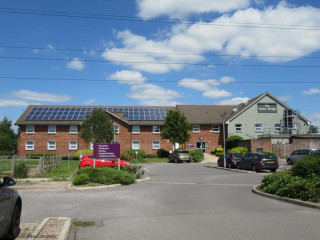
pixel 289 162
pixel 14 229
pixel 254 168
pixel 273 170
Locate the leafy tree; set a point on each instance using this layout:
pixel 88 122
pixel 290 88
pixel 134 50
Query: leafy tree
pixel 8 138
pixel 313 129
pixel 176 128
pixel 232 141
pixel 97 127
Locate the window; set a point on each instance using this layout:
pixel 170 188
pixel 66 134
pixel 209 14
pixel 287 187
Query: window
pixel 135 129
pixel 116 129
pixel 156 129
pixel 215 128
pixel 135 144
pixel 73 129
pixel 155 144
pixel 52 129
pixel 91 145
pixel 51 145
pixel 29 145
pixel 258 127
pixel 196 128
pixel 73 145
pixel 277 127
pixel 30 129
pixel 238 127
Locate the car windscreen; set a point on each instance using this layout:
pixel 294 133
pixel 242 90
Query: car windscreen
pixel 237 155
pixel 269 156
pixel 183 151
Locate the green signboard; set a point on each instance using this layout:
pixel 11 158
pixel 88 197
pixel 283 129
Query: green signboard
pixel 267 107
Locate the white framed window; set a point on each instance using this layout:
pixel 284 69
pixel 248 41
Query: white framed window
pixel 155 144
pixel 135 129
pixel 30 129
pixel 277 127
pixel 238 127
pixel 29 145
pixel 73 129
pixel 156 129
pixel 51 145
pixel 73 145
pixel 135 144
pixel 258 127
pixel 52 129
pixel 196 128
pixel 91 145
pixel 215 128
pixel 116 129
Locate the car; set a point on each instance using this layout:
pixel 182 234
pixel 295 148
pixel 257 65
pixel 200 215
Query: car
pixel 10 210
pixel 86 160
pixel 296 155
pixel 256 161
pixel 179 156
pixel 232 159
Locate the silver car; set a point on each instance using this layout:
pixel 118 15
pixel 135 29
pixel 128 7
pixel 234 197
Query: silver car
pixel 296 155
pixel 10 210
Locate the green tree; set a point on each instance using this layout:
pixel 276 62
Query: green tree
pixel 8 138
pixel 233 141
pixel 97 127
pixel 176 128
pixel 313 129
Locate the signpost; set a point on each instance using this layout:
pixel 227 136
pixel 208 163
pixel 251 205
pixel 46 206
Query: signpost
pixel 106 150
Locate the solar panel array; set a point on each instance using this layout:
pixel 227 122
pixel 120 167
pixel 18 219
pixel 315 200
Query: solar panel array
pixel 79 113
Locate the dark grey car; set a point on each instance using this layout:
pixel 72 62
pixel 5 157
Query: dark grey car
pixel 10 210
pixel 296 155
pixel 259 161
pixel 232 159
pixel 179 156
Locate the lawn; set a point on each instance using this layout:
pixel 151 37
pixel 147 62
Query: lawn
pixel 62 172
pixel 149 160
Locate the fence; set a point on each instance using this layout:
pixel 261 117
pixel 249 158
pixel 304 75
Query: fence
pixel 36 166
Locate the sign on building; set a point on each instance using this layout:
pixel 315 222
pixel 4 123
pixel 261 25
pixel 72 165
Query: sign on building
pixel 267 107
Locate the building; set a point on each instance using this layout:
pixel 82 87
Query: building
pixel 55 129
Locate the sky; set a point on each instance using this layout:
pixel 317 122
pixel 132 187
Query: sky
pixel 151 53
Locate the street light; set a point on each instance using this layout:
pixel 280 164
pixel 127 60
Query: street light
pixel 224 139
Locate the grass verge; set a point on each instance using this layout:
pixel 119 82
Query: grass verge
pixel 63 172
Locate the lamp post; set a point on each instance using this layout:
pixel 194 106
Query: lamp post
pixel 224 139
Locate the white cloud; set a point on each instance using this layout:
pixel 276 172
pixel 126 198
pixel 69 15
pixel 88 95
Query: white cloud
pixel 261 39
pixel 50 49
pixel 315 119
pixel 43 97
pixel 13 103
pixel 153 95
pixel 89 102
pixel 208 87
pixel 311 91
pixel 128 77
pixel 75 64
pixel 233 101
pixel 182 8
pixel 285 98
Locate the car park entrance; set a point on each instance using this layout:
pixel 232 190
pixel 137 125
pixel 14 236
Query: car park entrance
pixel 201 146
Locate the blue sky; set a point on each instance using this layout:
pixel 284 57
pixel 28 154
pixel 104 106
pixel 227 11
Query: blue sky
pixel 146 52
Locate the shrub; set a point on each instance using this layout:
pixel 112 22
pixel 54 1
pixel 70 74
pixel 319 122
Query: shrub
pixel 84 151
pixel 242 150
pixel 71 158
pixel 81 179
pixel 161 153
pixel 270 152
pixel 141 153
pixel 307 166
pixel 38 155
pixel 196 156
pixel 21 170
pixel 218 152
pixel 151 156
pixel 126 156
pixel 126 178
pixel 233 141
pixel 267 180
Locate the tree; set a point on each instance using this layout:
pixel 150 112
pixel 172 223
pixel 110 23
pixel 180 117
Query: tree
pixel 8 138
pixel 313 129
pixel 97 127
pixel 233 141
pixel 176 128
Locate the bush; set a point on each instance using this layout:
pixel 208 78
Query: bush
pixel 126 178
pixel 21 170
pixel 267 180
pixel 38 155
pixel 218 152
pixel 161 153
pixel 71 158
pixel 307 166
pixel 141 153
pixel 270 152
pixel 151 156
pixel 84 151
pixel 242 150
pixel 126 156
pixel 196 156
pixel 81 179
pixel 233 141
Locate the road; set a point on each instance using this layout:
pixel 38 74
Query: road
pixel 181 201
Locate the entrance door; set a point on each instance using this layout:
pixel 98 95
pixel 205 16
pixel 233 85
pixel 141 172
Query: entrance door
pixel 201 146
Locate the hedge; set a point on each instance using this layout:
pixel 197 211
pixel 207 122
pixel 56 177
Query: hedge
pixel 307 166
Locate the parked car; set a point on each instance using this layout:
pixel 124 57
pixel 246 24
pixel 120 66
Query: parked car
pixel 259 161
pixel 232 159
pixel 10 210
pixel 87 161
pixel 179 156
pixel 296 155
